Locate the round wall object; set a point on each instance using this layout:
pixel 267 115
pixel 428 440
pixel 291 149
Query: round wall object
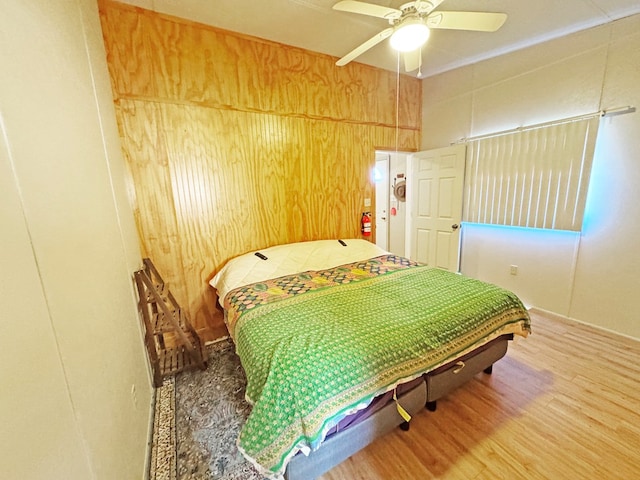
pixel 400 190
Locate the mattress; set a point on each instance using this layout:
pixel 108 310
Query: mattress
pixel 280 260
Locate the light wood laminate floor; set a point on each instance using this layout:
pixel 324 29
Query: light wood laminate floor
pixel 563 404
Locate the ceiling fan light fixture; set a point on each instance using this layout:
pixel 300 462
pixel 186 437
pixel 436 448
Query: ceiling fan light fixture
pixel 412 34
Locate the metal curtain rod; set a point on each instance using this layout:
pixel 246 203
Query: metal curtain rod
pixel 602 113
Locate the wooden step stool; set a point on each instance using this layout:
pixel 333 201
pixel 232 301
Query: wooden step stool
pixel 172 343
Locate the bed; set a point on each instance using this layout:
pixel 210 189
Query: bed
pixel 341 341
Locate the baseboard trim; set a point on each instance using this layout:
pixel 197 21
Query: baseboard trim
pixel 564 318
pixel 217 340
pixel 152 415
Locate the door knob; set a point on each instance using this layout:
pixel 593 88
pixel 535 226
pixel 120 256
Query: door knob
pixel 455 226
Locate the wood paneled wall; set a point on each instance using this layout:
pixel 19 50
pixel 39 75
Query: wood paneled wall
pixel 235 143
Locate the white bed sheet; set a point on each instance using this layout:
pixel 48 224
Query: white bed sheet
pixel 288 259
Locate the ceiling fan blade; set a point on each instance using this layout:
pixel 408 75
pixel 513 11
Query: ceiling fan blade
pixel 367 9
pixel 477 21
pixel 413 60
pixel 373 41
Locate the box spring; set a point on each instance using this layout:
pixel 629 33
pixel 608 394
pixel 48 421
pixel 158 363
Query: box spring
pixel 357 431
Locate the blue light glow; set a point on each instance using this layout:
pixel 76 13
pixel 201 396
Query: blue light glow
pixel 521 230
pixel 599 196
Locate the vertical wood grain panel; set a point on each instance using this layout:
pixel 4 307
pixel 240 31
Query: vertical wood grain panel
pixel 235 144
pixel 154 210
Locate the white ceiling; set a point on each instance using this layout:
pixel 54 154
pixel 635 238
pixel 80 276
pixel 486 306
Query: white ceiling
pixel 313 25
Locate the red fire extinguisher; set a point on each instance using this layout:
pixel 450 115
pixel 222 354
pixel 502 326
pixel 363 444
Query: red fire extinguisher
pixel 365 224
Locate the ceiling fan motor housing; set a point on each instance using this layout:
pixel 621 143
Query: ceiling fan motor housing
pixel 411 33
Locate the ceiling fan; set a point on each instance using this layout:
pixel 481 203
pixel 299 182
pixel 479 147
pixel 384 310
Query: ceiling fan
pixel 411 24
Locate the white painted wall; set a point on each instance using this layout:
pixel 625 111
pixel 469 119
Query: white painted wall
pixel 381 178
pixel 490 251
pixel 71 342
pixel 593 277
pixel 397 222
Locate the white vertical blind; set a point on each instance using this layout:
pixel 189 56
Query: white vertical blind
pixel 531 178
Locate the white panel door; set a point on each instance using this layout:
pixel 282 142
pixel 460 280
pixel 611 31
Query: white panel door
pixel 435 189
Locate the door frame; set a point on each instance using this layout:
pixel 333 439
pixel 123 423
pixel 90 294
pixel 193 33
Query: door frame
pixel 382 197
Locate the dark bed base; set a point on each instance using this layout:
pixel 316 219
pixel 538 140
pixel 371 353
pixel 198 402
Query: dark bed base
pixel 437 383
pixel 342 445
pixel 444 379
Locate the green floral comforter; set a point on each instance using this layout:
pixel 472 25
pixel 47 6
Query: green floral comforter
pixel 319 345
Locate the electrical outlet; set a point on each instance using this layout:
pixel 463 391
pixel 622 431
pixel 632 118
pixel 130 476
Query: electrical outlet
pixel 513 269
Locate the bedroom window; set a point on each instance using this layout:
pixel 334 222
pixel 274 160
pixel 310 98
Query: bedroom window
pixel 535 177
